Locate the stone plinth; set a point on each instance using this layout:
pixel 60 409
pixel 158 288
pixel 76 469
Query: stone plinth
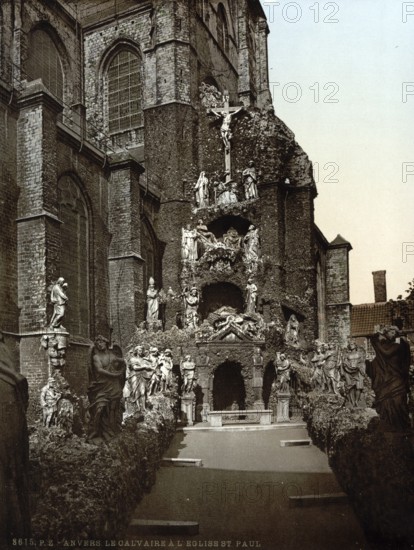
pixel 187 408
pixel 282 411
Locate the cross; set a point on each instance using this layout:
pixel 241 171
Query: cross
pixel 226 113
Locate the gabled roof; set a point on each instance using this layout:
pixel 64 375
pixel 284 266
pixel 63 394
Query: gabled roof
pixel 365 317
pixel 340 241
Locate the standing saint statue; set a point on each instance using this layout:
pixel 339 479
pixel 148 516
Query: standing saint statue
pixel 389 373
pixel 139 373
pixel 166 365
pixel 107 374
pixel 330 368
pixel 353 371
pixel 189 244
pixel 187 368
pixel 251 296
pixel 49 398
pixel 59 300
pixel 191 301
pixel 250 182
pixel 201 191
pixel 252 245
pixel 152 302
pixel 282 373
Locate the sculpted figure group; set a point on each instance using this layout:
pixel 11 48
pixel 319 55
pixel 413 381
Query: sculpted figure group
pixel 198 241
pixel 335 369
pixel 223 190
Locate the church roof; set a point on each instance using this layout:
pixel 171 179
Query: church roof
pixel 340 241
pixel 365 317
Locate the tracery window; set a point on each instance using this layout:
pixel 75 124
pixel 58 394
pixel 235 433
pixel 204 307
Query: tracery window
pixel 74 254
pixel 124 92
pixel 222 28
pixel 44 62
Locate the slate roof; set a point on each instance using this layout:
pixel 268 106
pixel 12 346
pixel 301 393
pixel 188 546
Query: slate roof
pixel 364 317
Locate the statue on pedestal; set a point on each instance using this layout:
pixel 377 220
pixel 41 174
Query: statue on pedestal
pixel 59 300
pixel 191 302
pixel 389 373
pixel 189 244
pixel 201 191
pixel 155 381
pixel 152 304
pixel 252 247
pixel 187 368
pixel 250 182
pixel 282 373
pixel 251 296
pixel 353 371
pixel 107 374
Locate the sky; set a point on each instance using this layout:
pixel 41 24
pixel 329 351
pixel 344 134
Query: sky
pixel 342 78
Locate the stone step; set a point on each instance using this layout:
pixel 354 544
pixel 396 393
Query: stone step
pixel 241 427
pixel 317 500
pixel 295 442
pixel 182 462
pixel 162 527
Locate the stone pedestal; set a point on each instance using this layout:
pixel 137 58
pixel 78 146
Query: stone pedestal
pixel 204 412
pixel 282 412
pixel 187 408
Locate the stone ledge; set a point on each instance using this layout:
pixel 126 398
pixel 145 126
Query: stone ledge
pixel 180 462
pixel 295 442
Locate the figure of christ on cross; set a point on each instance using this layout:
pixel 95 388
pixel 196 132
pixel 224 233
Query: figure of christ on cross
pixel 226 113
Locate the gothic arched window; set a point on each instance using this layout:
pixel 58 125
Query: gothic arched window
pixel 148 253
pixel 222 28
pixel 44 62
pixel 74 263
pixel 124 92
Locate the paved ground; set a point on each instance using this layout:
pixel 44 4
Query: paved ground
pixel 240 496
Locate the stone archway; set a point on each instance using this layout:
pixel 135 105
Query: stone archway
pixel 229 390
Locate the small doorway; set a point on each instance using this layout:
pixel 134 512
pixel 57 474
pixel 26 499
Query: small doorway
pixel 229 392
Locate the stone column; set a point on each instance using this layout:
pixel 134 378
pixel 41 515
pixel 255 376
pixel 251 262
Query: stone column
pixel 38 227
pixel 125 262
pixel 257 381
pixel 187 408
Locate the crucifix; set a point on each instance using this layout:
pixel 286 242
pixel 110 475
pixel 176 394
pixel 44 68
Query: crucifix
pixel 226 113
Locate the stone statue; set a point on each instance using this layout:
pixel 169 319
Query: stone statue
pixel 251 296
pixel 389 372
pixel 250 182
pixel 191 302
pixel 49 398
pixel 189 244
pixel 152 303
pixel 282 373
pixel 166 366
pixel 201 191
pixel 107 375
pixel 59 300
pixel 155 381
pixel 292 331
pixel 232 239
pixel 139 372
pixel 210 96
pixel 353 371
pixel 14 451
pixel 225 191
pixel 317 362
pixel 187 368
pixel 226 113
pixel 206 239
pixel 330 368
pixel 252 246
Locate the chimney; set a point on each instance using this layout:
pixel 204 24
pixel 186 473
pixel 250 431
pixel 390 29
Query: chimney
pixel 380 286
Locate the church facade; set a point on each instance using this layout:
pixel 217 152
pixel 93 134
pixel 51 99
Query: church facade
pixel 110 113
